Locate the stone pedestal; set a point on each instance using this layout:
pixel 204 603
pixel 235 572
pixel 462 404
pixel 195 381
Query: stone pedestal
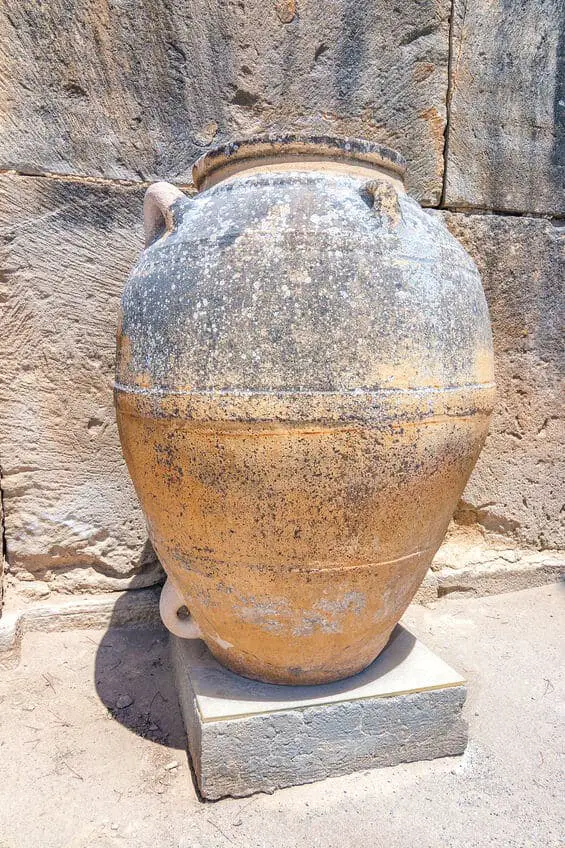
pixel 247 737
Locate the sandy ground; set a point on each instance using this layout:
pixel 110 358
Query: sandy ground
pixel 93 750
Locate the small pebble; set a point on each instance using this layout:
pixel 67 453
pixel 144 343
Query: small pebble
pixel 171 765
pixel 123 702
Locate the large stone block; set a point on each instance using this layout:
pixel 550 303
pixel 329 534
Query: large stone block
pixel 71 516
pixel 517 486
pixel 247 737
pixel 139 89
pixel 506 147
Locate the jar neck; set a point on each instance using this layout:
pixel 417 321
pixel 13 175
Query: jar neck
pixel 304 164
pixel 356 158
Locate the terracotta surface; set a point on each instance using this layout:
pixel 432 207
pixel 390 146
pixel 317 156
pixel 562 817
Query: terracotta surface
pixel 304 383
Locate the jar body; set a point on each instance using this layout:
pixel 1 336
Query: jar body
pixel 304 384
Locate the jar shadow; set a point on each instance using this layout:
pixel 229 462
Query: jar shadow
pixel 134 677
pixel 135 680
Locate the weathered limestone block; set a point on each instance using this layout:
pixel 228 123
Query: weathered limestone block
pixel 136 88
pixel 506 147
pixel 517 486
pixel 71 516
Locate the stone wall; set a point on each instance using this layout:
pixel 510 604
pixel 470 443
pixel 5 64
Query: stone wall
pixel 97 98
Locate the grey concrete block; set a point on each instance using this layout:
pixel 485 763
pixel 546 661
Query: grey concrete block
pixel 247 737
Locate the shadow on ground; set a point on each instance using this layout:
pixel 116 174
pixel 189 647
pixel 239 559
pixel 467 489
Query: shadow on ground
pixel 134 680
pixel 134 676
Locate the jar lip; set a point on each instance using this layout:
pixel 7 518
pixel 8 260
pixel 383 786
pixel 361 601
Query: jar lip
pixel 288 146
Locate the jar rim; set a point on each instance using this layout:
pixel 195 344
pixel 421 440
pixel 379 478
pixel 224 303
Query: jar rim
pixel 353 150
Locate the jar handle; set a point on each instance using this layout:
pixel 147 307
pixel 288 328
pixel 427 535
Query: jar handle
pixel 382 197
pixel 160 210
pixel 169 605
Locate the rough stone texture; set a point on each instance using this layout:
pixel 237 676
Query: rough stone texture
pixel 247 737
pixel 137 88
pixel 516 489
pixel 71 516
pixel 328 742
pixel 506 141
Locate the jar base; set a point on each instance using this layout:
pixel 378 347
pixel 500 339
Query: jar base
pixel 254 669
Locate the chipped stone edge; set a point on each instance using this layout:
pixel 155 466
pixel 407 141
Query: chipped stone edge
pixel 482 580
pixel 132 607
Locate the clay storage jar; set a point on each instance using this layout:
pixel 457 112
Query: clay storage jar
pixel 304 384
